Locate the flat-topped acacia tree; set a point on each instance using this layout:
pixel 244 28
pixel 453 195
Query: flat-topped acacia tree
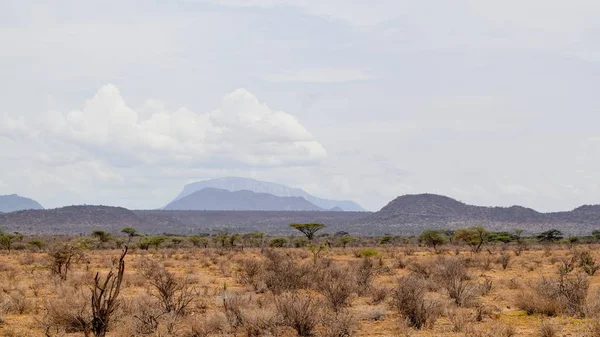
pixel 308 229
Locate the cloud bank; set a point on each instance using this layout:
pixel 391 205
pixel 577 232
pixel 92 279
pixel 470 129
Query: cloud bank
pixel 241 131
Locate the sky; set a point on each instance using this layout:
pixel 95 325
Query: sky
pixel 123 102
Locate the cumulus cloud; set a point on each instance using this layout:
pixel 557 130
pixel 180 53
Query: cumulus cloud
pixel 241 131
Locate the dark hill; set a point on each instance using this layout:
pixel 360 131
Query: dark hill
pixel 413 213
pixel 218 199
pixel 13 202
pixel 71 219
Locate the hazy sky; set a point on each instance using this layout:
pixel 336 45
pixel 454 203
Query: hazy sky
pixel 123 102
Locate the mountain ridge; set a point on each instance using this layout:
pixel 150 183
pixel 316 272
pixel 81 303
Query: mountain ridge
pixel 210 198
pixel 239 183
pixel 14 202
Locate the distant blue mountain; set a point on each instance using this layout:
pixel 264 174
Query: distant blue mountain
pixel 13 202
pixel 239 184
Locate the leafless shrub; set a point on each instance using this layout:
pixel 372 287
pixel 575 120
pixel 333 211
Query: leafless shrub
pixel 486 286
pixel 283 273
pixel 364 274
pixel 300 311
pixel 459 318
pixel 336 287
pixel 15 302
pixel 453 276
pixel 410 302
pixel 587 262
pixel 567 265
pixel 339 324
pixel 174 293
pixel 61 259
pixel 207 326
pixel 66 313
pixel 251 273
pixel 504 260
pixel 548 329
pixel 552 296
pixel 379 293
pixel 421 269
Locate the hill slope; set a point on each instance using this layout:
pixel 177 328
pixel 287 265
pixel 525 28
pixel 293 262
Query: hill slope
pixel 219 199
pixel 13 202
pixel 413 213
pixel 70 219
pixel 238 184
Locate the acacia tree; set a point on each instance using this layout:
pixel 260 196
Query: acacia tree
pixel 475 237
pixel 552 235
pixel 432 238
pixel 308 229
pixel 131 232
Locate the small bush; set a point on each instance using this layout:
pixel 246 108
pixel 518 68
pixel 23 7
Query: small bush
pixel 409 300
pixel 299 311
pixel 548 329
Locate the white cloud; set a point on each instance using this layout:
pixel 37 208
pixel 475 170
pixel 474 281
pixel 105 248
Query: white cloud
pixel 242 131
pixel 319 75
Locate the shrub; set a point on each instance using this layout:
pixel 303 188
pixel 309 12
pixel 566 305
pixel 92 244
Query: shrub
pixel 61 259
pixel 283 273
pixel 278 242
pixel 339 324
pixel 300 311
pixel 588 263
pixel 174 293
pixel 363 275
pixel 368 252
pixel 552 296
pixel 504 260
pixel 409 300
pixel 252 272
pixel 548 329
pixel 452 275
pixel 337 288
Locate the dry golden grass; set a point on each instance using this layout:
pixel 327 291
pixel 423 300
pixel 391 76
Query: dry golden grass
pixel 250 293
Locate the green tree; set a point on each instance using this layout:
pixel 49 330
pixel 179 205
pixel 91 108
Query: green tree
pixel 432 238
pixel 308 229
pixel 552 235
pixel 101 235
pixel 596 234
pixel 346 239
pixel 198 241
pixel 131 233
pixel 38 243
pixel 6 240
pixel 278 242
pixel 476 237
pixel 386 239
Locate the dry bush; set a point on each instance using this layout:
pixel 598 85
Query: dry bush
pixel 548 329
pixel 174 293
pixel 379 293
pixel 421 269
pixel 408 298
pixel 364 273
pixel 299 311
pixel 561 295
pixel 61 259
pixel 486 286
pixel 15 302
pixel 145 311
pixel 587 262
pixel 252 273
pixel 214 324
pixel 453 275
pixel 336 287
pixel 66 313
pixel 459 318
pixel 339 324
pixel 504 260
pixel 283 273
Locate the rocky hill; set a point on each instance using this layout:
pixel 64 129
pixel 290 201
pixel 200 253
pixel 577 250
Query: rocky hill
pixel 223 200
pixel 14 202
pixel 412 213
pixel 239 184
